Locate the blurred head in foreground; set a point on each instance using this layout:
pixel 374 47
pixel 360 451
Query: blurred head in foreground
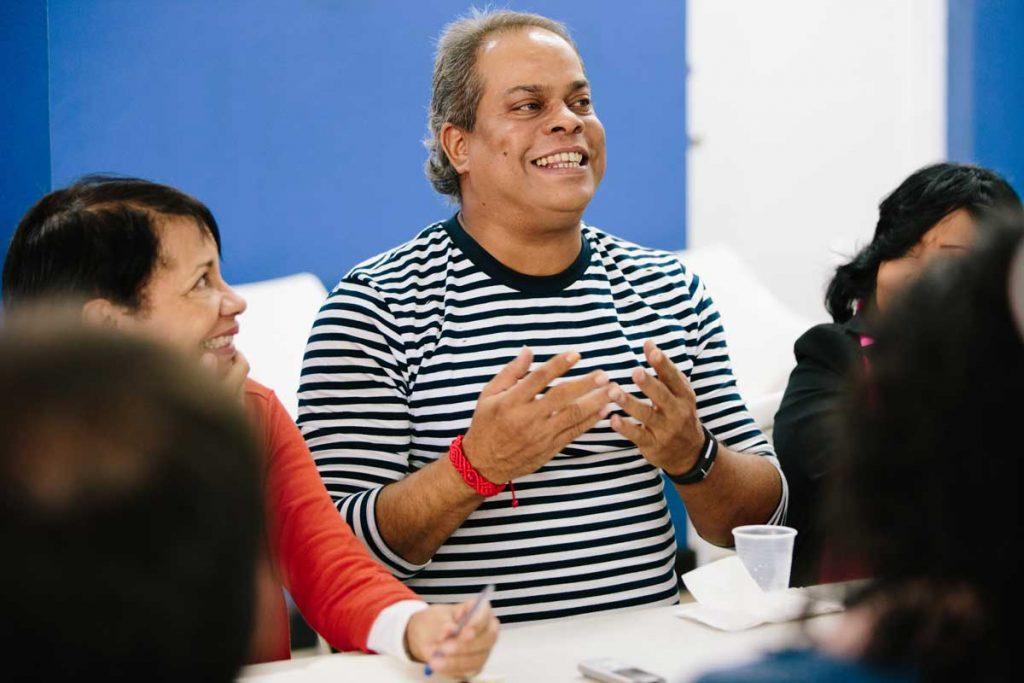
pixel 932 213
pixel 130 511
pixel 929 484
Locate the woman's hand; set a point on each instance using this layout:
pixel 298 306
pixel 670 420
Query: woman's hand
pixel 429 638
pixel 232 374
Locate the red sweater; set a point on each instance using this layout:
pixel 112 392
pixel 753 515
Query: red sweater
pixel 339 588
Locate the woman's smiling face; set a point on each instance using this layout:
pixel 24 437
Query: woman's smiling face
pixel 186 302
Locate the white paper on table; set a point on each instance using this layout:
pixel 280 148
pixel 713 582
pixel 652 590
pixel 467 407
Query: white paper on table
pixel 729 599
pixel 348 667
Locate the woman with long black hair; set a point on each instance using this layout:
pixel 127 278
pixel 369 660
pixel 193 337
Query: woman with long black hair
pixel 933 214
pixel 926 484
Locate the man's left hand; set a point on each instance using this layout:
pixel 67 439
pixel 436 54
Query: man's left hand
pixel 667 430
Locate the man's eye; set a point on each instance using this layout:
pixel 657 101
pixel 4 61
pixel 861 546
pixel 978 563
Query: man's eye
pixel 202 283
pixel 583 103
pixel 528 106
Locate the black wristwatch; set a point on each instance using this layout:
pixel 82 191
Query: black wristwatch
pixel 702 468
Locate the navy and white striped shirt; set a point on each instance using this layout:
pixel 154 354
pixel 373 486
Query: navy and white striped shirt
pixel 399 354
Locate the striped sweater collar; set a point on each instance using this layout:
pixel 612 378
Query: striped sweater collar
pixel 528 284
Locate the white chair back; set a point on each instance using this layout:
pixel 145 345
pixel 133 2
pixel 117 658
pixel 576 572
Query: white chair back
pixel 274 330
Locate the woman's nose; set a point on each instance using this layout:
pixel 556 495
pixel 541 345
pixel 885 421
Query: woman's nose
pixel 232 303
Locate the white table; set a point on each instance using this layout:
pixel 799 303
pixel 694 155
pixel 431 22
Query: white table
pixel 653 639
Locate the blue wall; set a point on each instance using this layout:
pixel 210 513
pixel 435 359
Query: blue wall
pixel 986 85
pixel 300 123
pixel 24 111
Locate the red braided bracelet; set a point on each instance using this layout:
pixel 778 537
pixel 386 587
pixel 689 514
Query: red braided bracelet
pixel 474 479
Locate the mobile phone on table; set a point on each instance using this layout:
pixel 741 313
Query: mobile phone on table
pixel 614 671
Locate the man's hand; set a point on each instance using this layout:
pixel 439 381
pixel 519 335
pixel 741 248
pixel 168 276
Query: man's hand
pixel 669 435
pixel 514 431
pixel 428 638
pixel 232 373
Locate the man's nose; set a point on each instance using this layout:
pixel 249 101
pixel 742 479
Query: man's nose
pixel 565 120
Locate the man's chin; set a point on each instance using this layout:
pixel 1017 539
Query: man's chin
pixel 565 201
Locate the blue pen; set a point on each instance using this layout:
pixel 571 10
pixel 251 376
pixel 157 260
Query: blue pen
pixel 482 598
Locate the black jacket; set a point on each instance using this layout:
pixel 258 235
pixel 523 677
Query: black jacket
pixel 826 356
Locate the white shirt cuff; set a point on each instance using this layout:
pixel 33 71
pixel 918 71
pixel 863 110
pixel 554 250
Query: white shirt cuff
pixel 387 635
pixel 778 518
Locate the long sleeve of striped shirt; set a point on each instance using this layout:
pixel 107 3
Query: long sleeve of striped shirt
pixel 354 409
pixel 718 396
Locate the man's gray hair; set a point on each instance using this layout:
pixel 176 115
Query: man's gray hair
pixel 457 87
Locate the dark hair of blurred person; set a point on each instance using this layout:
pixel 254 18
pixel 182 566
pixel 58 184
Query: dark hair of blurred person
pixel 144 258
pixel 942 200
pixel 933 214
pixel 130 512
pixel 928 485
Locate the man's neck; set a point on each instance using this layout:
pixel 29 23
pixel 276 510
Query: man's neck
pixel 525 243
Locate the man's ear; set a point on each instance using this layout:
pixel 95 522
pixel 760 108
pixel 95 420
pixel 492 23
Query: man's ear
pixel 455 143
pixel 102 312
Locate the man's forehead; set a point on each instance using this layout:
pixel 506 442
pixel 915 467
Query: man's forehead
pixel 533 55
pixel 534 34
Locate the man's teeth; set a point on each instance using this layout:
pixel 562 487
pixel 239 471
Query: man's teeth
pixel 217 342
pixel 561 160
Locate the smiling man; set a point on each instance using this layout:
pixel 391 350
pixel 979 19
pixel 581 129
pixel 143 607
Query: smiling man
pixel 495 400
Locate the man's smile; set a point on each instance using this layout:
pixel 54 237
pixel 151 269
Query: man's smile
pixel 572 158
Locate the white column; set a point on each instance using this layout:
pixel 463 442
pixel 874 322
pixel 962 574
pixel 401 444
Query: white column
pixel 803 114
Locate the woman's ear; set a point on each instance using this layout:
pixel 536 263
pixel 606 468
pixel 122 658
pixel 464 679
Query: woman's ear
pixel 103 312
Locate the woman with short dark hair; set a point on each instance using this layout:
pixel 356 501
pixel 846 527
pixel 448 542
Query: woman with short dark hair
pixel 145 258
pixel 932 214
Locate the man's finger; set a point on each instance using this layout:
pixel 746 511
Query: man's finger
pixel 631 430
pixel 537 380
pixel 667 371
pixel 580 416
pixel 656 391
pixel 560 396
pixel 509 375
pixel 634 407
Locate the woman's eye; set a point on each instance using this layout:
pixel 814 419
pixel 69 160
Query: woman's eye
pixel 202 283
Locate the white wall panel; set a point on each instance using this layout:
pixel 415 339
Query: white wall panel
pixel 803 114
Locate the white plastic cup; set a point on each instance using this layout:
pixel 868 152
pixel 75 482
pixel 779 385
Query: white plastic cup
pixel 767 553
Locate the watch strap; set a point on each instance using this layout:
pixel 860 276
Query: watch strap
pixel 705 460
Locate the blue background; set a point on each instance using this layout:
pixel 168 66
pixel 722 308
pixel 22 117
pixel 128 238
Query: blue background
pixel 300 123
pixel 24 112
pixel 986 85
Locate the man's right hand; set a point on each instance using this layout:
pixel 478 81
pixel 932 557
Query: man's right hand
pixel 514 431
